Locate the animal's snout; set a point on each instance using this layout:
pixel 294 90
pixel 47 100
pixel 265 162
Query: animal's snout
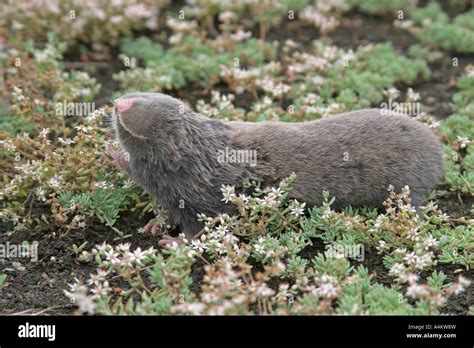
pixel 123 105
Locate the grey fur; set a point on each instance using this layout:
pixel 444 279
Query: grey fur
pixel 354 156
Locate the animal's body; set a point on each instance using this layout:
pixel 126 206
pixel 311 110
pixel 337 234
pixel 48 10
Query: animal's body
pixel 174 155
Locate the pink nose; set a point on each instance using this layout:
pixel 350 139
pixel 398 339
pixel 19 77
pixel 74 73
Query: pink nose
pixel 123 105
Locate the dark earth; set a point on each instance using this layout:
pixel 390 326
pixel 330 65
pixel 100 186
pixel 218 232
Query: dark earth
pixel 39 289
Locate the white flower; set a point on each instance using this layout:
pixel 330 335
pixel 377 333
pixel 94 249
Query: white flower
pixel 397 268
pixel 101 290
pixel 66 141
pixel 55 181
pixel 382 245
pixel 94 279
pixel 327 214
pixel 411 258
pixel 461 285
pixel 220 248
pixel 198 245
pixel 317 80
pixel 191 308
pixel 226 16
pixel 241 35
pixel 416 290
pixel 101 184
pixel 412 95
pixel 138 255
pixel 82 128
pixel 8 145
pixel 112 256
pixel 136 11
pixel 296 208
pixel 392 93
pixel 444 216
pixel 430 242
pixel 102 247
pixel 230 239
pixel 269 85
pixel 438 300
pixel 245 200
pixel 222 230
pixel 44 133
pixel 267 201
pixel 85 303
pixel 400 251
pixel 430 206
pixel 463 142
pixel 40 193
pixel 149 251
pixel 264 291
pixel 327 290
pixel 124 246
pixel 152 23
pixel 102 273
pixel 411 278
pixel 259 249
pixel 116 19
pixel 228 192
pixel 127 183
pixel 424 261
pixel 408 208
pixel 127 259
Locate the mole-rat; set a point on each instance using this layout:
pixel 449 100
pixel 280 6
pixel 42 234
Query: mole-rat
pixel 173 153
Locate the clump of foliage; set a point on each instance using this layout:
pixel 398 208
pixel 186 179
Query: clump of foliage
pixel 433 28
pixel 269 234
pixel 432 12
pixel 457 132
pixel 276 256
pixel 83 186
pixel 373 70
pixel 47 157
pixel 325 16
pixel 328 80
pixel 36 82
pixel 380 7
pixel 192 63
pixel 93 22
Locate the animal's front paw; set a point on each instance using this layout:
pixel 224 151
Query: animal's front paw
pixel 151 227
pixel 168 240
pixel 120 157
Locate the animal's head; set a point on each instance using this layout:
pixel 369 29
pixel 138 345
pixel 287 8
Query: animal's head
pixel 145 122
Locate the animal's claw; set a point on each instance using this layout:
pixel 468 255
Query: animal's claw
pixel 151 227
pixel 121 157
pixel 167 240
